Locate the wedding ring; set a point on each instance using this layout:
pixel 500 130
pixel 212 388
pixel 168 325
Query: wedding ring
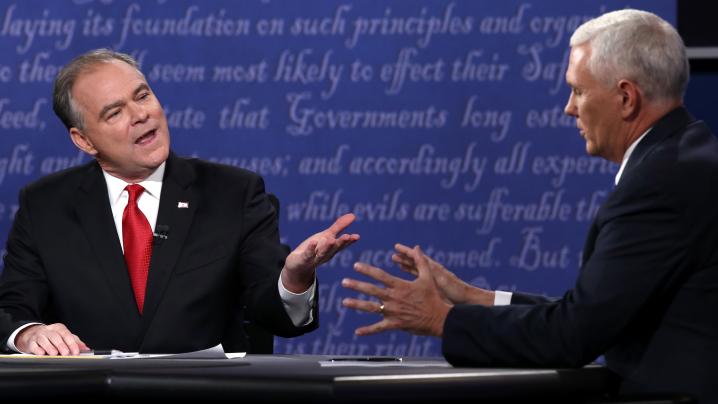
pixel 381 308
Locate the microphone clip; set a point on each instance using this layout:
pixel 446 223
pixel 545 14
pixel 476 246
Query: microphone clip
pixel 161 234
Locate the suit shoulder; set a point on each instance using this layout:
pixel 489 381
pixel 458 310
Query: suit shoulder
pixel 61 181
pixel 691 150
pixel 699 144
pixel 684 167
pixel 208 168
pixel 216 178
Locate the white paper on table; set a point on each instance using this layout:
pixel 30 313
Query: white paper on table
pixel 216 352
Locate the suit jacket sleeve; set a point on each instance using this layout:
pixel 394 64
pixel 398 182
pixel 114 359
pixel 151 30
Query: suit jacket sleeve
pixel 23 285
pixel 528 298
pixel 639 251
pixel 260 244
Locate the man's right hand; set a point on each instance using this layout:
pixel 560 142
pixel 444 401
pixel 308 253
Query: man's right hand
pixel 453 290
pixel 53 339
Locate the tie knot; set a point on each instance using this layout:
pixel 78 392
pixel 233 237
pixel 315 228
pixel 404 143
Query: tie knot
pixel 134 191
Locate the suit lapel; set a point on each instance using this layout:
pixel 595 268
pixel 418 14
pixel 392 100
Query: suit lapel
pixel 178 203
pixel 92 207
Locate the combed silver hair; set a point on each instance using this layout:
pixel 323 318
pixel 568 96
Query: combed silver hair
pixel 638 46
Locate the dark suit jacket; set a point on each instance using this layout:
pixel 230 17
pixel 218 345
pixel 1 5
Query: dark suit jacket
pixel 64 262
pixel 647 291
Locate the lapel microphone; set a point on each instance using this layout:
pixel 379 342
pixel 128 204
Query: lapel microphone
pixel 161 234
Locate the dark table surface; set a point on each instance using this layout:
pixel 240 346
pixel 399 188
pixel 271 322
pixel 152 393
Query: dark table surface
pixel 302 378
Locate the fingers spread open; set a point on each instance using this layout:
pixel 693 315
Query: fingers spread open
pixel 378 327
pixel 363 305
pixel 405 264
pixel 364 287
pixel 401 248
pixel 422 264
pixel 376 273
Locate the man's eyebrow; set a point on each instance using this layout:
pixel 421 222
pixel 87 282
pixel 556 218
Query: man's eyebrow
pixel 119 103
pixel 108 107
pixel 140 88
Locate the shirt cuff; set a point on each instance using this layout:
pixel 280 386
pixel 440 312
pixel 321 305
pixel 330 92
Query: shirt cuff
pixel 11 340
pixel 502 298
pixel 298 305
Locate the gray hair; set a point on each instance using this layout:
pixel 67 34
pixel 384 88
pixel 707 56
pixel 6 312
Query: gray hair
pixel 638 46
pixel 62 102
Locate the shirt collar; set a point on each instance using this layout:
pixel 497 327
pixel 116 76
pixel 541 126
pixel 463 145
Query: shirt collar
pixel 628 153
pixel 151 184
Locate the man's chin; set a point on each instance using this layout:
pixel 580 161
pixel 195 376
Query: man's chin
pixel 159 155
pixel 151 162
pixel 591 150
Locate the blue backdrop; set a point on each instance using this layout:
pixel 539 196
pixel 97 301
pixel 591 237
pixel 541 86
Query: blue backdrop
pixel 437 123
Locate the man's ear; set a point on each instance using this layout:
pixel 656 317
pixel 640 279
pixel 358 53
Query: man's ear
pixel 631 98
pixel 82 141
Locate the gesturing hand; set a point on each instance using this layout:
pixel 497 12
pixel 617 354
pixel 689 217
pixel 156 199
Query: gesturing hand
pixel 415 306
pixel 299 267
pixel 453 290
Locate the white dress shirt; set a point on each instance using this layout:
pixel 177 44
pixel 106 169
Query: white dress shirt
pixel 298 305
pixel 627 155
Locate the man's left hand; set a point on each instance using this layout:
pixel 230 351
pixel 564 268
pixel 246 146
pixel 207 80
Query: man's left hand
pixel 416 306
pixel 300 265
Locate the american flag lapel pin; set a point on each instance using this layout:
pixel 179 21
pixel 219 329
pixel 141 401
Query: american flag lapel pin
pixel 182 205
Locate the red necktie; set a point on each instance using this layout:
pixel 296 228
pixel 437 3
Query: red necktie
pixel 137 239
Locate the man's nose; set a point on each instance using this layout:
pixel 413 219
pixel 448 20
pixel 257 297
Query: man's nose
pixel 139 113
pixel 570 108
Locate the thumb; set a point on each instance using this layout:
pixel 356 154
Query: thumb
pixel 309 251
pixel 421 261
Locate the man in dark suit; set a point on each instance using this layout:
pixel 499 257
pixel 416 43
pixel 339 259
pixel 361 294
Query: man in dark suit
pixel 647 291
pixel 141 250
